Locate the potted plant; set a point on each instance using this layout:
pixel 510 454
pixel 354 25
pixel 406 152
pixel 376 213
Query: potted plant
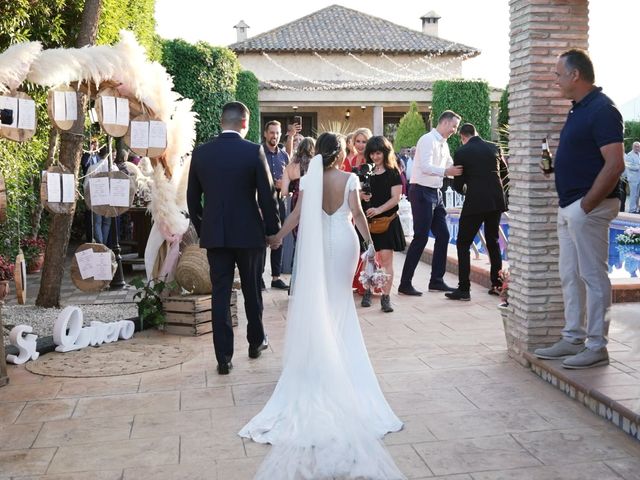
pixel 149 301
pixel 6 275
pixel 33 250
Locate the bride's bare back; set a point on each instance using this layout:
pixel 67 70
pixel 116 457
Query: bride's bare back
pixel 333 186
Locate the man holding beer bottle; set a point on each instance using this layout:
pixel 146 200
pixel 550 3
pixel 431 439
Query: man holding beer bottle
pixel 588 164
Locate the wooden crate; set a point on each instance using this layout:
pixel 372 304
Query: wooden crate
pixel 191 314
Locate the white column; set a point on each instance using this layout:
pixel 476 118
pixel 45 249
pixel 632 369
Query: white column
pixel 378 123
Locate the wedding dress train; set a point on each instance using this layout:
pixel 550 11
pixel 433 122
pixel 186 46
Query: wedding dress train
pixel 327 414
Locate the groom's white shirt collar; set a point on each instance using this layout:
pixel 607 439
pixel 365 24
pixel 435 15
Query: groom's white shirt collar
pixel 231 131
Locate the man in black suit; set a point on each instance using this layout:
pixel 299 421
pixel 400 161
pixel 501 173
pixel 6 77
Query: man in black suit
pixel 232 205
pixel 482 182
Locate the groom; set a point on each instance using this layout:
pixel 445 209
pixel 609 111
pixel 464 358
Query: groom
pixel 229 187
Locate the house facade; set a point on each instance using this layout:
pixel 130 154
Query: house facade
pixel 343 69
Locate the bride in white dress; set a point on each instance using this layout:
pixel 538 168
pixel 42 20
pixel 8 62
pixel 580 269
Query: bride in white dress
pixel 327 414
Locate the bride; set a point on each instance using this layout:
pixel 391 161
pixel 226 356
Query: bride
pixel 327 413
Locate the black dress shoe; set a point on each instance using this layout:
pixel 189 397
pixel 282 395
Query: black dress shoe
pixel 224 368
pixel 279 284
pixel 440 287
pixel 495 290
pixel 458 295
pixel 263 287
pixel 255 352
pixel 409 290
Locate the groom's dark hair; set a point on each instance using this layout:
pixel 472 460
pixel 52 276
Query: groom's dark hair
pixel 328 145
pixel 233 113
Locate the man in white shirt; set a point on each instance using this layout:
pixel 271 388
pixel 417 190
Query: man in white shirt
pixel 431 163
pixel 632 172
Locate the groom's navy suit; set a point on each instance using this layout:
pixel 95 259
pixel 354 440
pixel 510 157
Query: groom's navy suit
pixel 232 205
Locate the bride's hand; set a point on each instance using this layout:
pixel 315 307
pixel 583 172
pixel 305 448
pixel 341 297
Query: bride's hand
pixel 274 241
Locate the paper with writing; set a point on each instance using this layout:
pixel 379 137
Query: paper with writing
pixel 71 102
pixel 139 134
pixel 99 188
pixel 85 263
pixel 108 110
pixel 122 108
pixel 53 187
pixel 59 108
pixel 119 195
pixel 157 134
pixel 68 188
pixel 26 114
pixel 102 266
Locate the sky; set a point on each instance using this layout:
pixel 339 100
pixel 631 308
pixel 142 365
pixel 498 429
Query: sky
pixel 613 28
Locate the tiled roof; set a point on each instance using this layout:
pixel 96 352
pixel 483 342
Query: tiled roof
pixel 344 85
pixel 339 29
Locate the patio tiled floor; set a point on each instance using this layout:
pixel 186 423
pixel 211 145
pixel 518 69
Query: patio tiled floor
pixel 470 412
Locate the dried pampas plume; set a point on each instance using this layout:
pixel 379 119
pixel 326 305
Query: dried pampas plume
pixel 15 63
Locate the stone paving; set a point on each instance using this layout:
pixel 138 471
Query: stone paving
pixel 470 412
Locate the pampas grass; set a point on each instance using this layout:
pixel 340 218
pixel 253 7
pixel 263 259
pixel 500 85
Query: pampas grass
pixel 15 63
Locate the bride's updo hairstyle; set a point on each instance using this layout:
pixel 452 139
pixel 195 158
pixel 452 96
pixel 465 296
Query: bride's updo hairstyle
pixel 329 145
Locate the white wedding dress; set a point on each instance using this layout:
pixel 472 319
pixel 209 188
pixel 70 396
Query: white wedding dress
pixel 327 414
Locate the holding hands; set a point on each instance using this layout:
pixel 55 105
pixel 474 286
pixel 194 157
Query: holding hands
pixel 274 241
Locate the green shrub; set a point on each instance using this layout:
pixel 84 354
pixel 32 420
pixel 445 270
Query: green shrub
pixel 503 120
pixel 247 93
pixel 631 134
pixel 205 74
pixel 469 99
pixel 410 129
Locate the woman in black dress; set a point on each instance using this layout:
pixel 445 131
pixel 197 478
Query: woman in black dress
pixel 386 189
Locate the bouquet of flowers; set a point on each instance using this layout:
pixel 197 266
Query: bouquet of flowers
pixel 631 236
pixel 6 269
pixel 372 276
pixel 503 275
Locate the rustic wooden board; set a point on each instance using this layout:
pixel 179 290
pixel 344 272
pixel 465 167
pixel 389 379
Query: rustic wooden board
pixel 111 128
pixel 108 210
pixel 19 134
pixel 143 152
pixel 20 278
pixel 56 207
pixel 188 318
pixel 61 124
pixel 187 303
pixel 89 284
pixel 189 330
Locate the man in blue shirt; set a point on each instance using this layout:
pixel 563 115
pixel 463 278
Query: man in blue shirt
pixel 588 165
pixel 277 159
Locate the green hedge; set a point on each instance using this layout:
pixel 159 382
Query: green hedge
pixel 470 99
pixel 631 134
pixel 205 74
pixel 410 129
pixel 247 93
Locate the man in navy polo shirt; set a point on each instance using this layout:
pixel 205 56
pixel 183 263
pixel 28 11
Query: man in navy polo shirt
pixel 588 165
pixel 277 159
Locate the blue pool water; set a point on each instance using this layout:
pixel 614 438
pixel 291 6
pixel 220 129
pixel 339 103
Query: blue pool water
pixel 624 260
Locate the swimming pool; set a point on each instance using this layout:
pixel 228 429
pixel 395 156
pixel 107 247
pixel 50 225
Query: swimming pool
pixel 624 260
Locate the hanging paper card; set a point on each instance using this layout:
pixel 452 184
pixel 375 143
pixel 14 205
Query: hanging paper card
pixel 122 109
pixel 102 266
pixel 68 188
pixel 26 114
pixel 59 106
pixel 85 263
pixel 108 109
pixel 99 191
pixel 157 134
pixel 119 192
pixel 71 104
pixel 53 187
pixel 139 134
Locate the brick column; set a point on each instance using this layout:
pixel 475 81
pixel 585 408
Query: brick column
pixel 540 30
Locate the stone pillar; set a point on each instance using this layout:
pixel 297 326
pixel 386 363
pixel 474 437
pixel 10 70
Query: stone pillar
pixel 378 120
pixel 540 31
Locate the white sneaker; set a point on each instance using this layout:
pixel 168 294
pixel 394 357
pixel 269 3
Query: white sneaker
pixel 561 349
pixel 587 359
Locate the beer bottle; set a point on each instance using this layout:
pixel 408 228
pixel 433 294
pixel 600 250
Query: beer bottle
pixel 547 159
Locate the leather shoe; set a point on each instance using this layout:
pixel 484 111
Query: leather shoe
pixel 279 284
pixel 440 287
pixel 458 295
pixel 224 368
pixel 255 352
pixel 409 290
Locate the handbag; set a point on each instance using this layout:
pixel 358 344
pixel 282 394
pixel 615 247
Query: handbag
pixel 381 224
